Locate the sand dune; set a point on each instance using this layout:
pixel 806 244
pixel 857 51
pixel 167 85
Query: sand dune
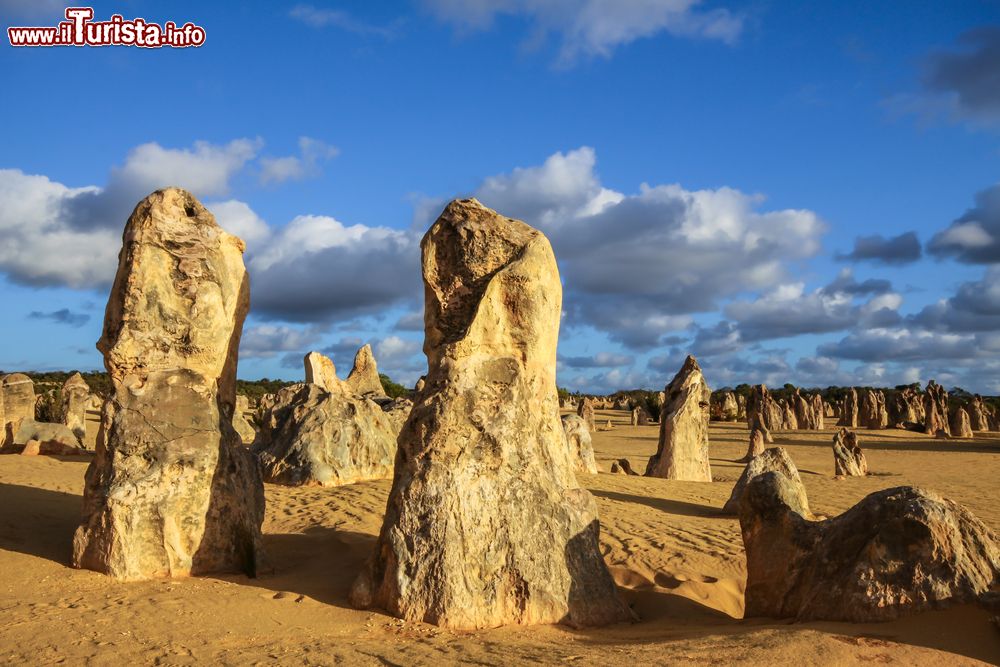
pixel 679 561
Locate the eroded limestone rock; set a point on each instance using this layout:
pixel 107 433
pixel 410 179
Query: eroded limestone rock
pixel 897 551
pixel 848 458
pixel 75 401
pixel 682 452
pixel 363 379
pixel 578 440
pixel 485 524
pixel 936 410
pixel 775 459
pixel 171 491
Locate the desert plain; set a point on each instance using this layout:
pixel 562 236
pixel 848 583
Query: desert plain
pixel 679 562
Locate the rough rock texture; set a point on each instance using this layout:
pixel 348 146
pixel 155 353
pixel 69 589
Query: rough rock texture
pixel 75 401
pixel 578 440
pixel 485 524
pixel 419 386
pixel 760 409
pixel 18 398
pixel 936 410
pixel 363 379
pixel 682 452
pixel 314 437
pixel 623 467
pixel 906 406
pixel 775 459
pixel 819 412
pixel 171 491
pixel 724 407
pixel 640 417
pixel 321 372
pixel 755 447
pixel 899 550
pixel 398 411
pixel 805 417
pixel 741 404
pixel 243 427
pixel 586 410
pixel 961 425
pixel 978 414
pixel 51 438
pixel 848 459
pixel 849 410
pixel 873 414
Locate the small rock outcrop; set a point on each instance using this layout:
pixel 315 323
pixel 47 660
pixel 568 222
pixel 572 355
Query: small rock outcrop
pixel 363 379
pixel 978 414
pixel 682 452
pixel 321 372
pixel 243 427
pixel 961 425
pixel 623 467
pixel 849 412
pixel 760 412
pixel 485 524
pixel 873 414
pixel 171 491
pixel 49 438
pixel 848 459
pixel 75 401
pixel 585 410
pixel 755 447
pixel 581 447
pixel 936 410
pixel 775 459
pixel 312 437
pixel 639 416
pixel 18 394
pixel 897 551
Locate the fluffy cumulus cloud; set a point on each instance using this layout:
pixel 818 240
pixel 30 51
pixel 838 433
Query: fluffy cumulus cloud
pixel 60 235
pixel 974 237
pixel 594 27
pixel 638 265
pixel 267 340
pixel 316 268
pixel 599 360
pixel 902 249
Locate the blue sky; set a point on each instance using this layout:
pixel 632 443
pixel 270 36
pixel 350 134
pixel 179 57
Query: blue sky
pixel 704 170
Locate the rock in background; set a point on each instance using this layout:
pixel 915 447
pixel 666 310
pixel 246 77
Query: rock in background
pixel 848 459
pixel 578 440
pixel 682 452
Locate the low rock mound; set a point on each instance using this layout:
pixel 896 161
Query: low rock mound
pixel 899 550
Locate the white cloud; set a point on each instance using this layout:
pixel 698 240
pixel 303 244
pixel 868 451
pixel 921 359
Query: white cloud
pixel 266 340
pixel 238 218
pixel 594 27
pixel 296 167
pixel 636 266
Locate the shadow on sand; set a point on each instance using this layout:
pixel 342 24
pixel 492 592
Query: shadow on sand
pixel 678 507
pixel 38 522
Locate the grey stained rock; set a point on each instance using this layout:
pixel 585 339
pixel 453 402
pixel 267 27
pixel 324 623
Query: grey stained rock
pixel 775 459
pixel 485 524
pixel 897 551
pixel 578 440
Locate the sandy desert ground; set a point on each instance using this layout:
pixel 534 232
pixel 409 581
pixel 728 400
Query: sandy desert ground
pixel 680 563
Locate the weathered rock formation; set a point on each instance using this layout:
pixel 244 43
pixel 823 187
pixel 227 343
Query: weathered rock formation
pixel 755 447
pixel 936 410
pixel 848 459
pixel 321 372
pixel 788 420
pixel 18 398
pixel 243 427
pixel 171 491
pixel 849 409
pixel 906 407
pixel 363 379
pixel 49 438
pixel 623 467
pixel 760 412
pixel 961 426
pixel 485 524
pixel 978 414
pixel 640 417
pixel 897 551
pixel 313 437
pixel 586 411
pixel 75 401
pixel 581 448
pixel 725 407
pixel 873 414
pixel 682 452
pixel 775 459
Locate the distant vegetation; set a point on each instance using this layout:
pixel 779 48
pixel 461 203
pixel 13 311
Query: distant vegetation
pixel 392 389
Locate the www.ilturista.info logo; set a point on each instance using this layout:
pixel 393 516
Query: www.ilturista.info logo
pixel 80 30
